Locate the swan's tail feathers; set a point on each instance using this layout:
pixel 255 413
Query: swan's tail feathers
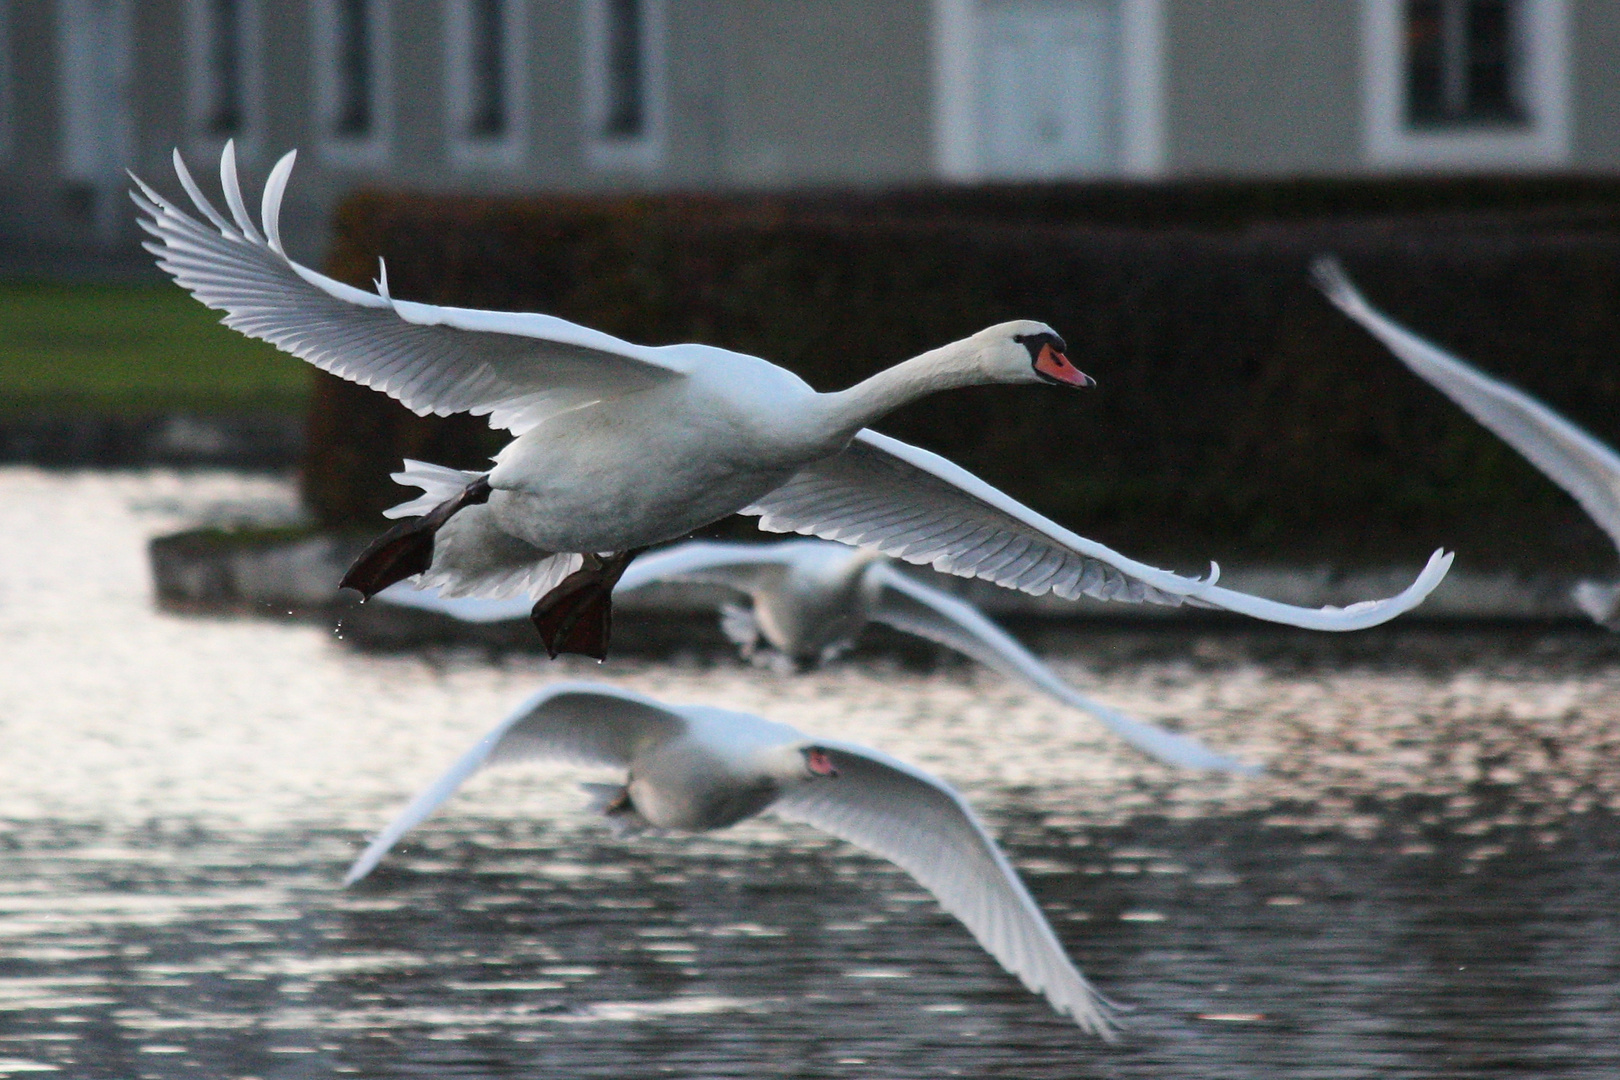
pixel 612 801
pixel 438 484
pixel 534 577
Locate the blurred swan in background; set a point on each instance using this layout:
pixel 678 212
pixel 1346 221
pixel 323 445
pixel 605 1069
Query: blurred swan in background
pixel 1566 455
pixel 619 446
pixel 810 600
pixel 692 768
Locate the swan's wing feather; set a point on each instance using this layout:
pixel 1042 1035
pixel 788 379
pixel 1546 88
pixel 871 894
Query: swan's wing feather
pixel 737 566
pixel 916 608
pixel 516 368
pixel 579 722
pixel 917 506
pixel 1570 458
pixel 711 562
pixel 469 609
pixel 925 828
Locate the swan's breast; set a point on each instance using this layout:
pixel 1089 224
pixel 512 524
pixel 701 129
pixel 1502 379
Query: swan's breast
pixel 634 470
pixel 690 787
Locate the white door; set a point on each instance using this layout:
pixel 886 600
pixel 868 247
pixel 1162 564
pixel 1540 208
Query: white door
pixel 1047 72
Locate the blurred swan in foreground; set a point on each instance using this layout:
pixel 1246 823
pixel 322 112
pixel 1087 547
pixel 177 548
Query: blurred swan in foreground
pixel 810 601
pixel 692 768
pixel 1568 456
pixel 620 446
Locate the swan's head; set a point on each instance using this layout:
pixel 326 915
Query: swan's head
pixel 1024 351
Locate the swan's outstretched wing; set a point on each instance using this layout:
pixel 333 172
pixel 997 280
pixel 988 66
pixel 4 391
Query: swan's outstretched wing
pixel 579 722
pixel 516 368
pixel 922 826
pixel 1572 459
pixel 909 605
pixel 711 562
pixel 915 505
pixel 736 566
pixel 472 609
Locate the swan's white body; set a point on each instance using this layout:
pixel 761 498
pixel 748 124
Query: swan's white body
pixel 810 599
pixel 620 446
pixel 1568 456
pixel 691 768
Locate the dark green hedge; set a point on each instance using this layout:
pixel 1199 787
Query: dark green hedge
pixel 1237 416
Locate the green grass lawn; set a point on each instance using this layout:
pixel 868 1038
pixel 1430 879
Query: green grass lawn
pixel 132 349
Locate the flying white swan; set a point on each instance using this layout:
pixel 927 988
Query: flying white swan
pixel 1568 456
pixel 810 599
pixel 621 446
pixel 692 768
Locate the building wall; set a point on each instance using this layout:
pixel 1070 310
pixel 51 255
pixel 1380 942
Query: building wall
pixel 790 93
pixel 834 92
pixel 1595 89
pixel 1261 87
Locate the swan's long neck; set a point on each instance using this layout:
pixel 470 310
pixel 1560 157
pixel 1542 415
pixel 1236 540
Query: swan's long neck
pixel 946 368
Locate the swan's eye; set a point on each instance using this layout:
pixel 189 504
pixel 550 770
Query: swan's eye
pixel 1037 342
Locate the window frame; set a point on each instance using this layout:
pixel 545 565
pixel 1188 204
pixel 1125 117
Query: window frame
pixel 374 147
pixel 1391 141
pixel 475 151
pixel 643 152
pixel 250 56
pixel 8 101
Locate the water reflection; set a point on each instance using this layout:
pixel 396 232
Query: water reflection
pixel 525 949
pixel 1422 886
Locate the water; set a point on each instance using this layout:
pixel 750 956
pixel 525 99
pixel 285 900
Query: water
pixel 1423 885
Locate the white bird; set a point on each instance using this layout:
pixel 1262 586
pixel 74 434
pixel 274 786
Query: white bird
pixel 1568 456
pixel 619 446
pixel 810 599
pixel 692 768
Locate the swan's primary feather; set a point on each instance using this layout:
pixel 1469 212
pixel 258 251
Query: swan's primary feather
pixel 909 605
pixel 515 368
pixel 917 506
pixel 925 828
pixel 578 722
pixel 1568 456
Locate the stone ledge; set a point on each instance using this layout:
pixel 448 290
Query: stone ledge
pixel 295 572
pixel 249 440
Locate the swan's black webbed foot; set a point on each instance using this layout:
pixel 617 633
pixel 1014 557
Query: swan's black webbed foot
pixel 577 615
pixel 407 548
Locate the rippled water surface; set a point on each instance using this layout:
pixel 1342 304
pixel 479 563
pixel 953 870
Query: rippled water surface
pixel 1423 885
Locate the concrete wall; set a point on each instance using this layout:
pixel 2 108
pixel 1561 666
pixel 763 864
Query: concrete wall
pixel 1261 87
pixel 836 92
pixel 1595 89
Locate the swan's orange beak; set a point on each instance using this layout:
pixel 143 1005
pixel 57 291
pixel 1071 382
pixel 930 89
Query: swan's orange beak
pixel 1055 367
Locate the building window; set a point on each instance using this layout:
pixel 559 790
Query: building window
pixel 222 81
pixel 6 122
pixel 1466 83
pixel 1461 63
pixel 352 77
pixel 624 82
pixel 484 55
pixel 487 115
pixel 224 76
